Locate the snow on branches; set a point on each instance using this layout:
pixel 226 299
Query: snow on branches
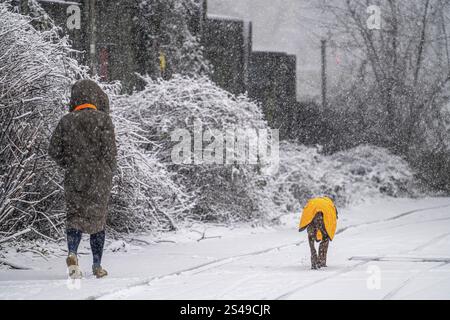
pixel 145 196
pixel 350 176
pixel 35 75
pixel 223 192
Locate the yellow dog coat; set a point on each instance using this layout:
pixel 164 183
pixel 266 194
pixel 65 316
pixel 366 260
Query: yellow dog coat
pixel 324 205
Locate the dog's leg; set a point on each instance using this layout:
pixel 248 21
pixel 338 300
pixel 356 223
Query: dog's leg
pixel 311 237
pixel 323 250
pixel 323 247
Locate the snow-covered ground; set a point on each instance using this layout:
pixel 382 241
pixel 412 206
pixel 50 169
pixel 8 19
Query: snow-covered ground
pixel 384 249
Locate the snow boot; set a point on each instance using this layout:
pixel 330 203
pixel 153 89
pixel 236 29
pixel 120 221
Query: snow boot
pixel 99 272
pixel 73 268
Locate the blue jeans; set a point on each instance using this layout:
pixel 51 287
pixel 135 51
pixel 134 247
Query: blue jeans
pixel 97 243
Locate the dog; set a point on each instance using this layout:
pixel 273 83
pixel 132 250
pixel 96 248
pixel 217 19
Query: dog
pixel 319 218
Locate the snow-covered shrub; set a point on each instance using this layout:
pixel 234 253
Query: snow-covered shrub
pixel 222 192
pixel 35 74
pixel 144 196
pixel 40 19
pixel 349 176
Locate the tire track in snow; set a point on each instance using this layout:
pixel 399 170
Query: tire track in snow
pixel 236 285
pixel 401 215
pixel 409 223
pixel 221 261
pixel 432 241
pixel 433 284
pixel 397 289
pixel 197 269
pixel 416 210
pixel 334 274
pixel 393 292
pixel 400 259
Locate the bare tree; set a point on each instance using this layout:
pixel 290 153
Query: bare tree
pixel 398 72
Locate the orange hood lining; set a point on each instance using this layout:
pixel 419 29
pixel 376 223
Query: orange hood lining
pixel 85 106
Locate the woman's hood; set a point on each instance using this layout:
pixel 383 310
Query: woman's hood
pixel 89 92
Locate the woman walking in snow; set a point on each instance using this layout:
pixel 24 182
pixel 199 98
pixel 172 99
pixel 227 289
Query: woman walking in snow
pixel 84 145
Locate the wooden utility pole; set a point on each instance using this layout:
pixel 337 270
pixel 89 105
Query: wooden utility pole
pixel 204 15
pixel 324 73
pixel 248 31
pixel 92 36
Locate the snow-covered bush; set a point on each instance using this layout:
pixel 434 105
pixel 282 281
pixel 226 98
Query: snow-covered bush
pixel 349 176
pixel 222 192
pixel 35 74
pixel 40 19
pixel 145 196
